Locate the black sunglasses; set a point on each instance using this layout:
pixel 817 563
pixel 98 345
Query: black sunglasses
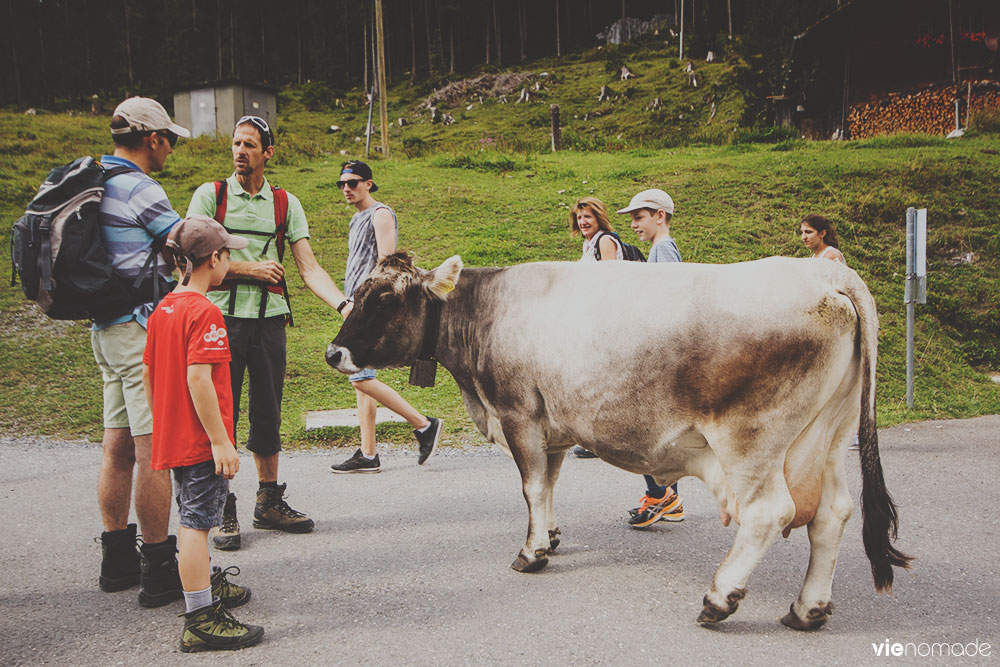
pixel 168 135
pixel 353 183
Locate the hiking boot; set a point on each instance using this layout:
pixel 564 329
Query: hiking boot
pixel 230 594
pixel 273 513
pixel 428 440
pixel 119 561
pixel 651 510
pixel 214 629
pixel 227 536
pixel 160 582
pixel 582 453
pixel 357 463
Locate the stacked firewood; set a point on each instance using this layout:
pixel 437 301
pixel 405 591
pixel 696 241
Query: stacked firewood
pixel 929 111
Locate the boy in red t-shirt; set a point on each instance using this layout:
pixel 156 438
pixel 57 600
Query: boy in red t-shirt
pixel 186 376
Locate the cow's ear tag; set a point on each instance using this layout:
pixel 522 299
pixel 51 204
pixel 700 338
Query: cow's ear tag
pixel 422 372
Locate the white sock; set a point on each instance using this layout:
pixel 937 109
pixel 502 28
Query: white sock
pixel 369 458
pixel 421 430
pixel 197 599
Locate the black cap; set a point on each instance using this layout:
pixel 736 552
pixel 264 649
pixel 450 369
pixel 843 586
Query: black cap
pixel 359 168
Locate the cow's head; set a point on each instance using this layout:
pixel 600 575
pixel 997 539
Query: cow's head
pixel 386 325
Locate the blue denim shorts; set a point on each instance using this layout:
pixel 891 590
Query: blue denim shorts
pixel 363 374
pixel 201 495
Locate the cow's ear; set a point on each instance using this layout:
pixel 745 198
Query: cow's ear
pixel 442 280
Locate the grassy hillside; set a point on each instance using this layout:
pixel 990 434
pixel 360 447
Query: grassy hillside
pixel 704 113
pixel 498 207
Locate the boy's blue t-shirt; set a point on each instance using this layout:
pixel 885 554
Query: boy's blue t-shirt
pixel 664 250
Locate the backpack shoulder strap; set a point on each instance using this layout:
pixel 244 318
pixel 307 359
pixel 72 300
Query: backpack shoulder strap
pixel 115 171
pixel 280 219
pixel 220 201
pixel 597 242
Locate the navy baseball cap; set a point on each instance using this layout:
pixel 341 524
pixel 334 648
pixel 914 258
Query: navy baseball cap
pixel 359 168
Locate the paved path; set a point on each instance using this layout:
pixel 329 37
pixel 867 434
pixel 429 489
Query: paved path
pixel 411 566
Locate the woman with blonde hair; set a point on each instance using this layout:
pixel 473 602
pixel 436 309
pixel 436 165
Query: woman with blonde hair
pixel 589 217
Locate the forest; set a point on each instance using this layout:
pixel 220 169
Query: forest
pixel 63 52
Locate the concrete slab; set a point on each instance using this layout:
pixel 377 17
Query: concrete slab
pixel 349 417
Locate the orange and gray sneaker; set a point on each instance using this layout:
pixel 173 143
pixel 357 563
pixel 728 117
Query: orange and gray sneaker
pixel 651 510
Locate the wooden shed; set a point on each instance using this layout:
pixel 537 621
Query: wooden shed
pixel 879 66
pixel 213 108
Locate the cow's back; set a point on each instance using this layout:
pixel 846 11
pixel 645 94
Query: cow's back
pixel 630 351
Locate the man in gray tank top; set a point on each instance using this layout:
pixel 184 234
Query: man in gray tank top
pixel 374 232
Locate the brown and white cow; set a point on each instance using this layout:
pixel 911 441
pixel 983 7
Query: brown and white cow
pixel 753 377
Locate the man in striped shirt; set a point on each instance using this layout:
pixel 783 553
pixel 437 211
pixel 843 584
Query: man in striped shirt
pixel 135 215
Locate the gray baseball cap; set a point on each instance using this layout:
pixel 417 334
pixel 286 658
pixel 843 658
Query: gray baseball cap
pixel 655 199
pixel 198 236
pixel 146 115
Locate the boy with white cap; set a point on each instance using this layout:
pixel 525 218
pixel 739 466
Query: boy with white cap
pixel 186 377
pixel 651 211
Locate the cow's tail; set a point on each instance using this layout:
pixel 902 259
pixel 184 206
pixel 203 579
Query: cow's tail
pixel 878 511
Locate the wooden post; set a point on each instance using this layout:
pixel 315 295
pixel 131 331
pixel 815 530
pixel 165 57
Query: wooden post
pixel 680 54
pixel 968 105
pixel 381 79
pixel 556 130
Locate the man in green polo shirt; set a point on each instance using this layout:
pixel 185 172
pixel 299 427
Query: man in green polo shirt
pixel 255 305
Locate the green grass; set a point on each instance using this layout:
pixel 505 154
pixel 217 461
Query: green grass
pixel 500 207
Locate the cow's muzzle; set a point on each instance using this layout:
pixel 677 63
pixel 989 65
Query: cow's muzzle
pixel 340 359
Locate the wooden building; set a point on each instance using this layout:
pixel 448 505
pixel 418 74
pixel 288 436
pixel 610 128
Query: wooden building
pixel 881 66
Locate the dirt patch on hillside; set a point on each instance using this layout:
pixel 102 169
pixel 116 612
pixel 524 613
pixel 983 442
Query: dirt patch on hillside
pixel 485 85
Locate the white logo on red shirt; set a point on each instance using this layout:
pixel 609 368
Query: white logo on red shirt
pixel 167 309
pixel 216 334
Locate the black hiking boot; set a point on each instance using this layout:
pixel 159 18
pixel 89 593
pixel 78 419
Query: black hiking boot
pixel 273 513
pixel 161 583
pixel 120 560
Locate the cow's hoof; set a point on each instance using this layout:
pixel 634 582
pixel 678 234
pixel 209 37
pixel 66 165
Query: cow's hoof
pixel 553 540
pixel 523 564
pixel 816 617
pixel 713 614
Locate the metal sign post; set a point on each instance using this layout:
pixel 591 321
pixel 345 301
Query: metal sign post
pixel 916 283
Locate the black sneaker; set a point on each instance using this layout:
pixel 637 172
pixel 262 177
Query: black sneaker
pixel 227 536
pixel 230 594
pixel 273 513
pixel 428 440
pixel 120 560
pixel 357 463
pixel 160 582
pixel 214 629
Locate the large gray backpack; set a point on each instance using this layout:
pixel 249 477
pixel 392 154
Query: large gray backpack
pixel 57 250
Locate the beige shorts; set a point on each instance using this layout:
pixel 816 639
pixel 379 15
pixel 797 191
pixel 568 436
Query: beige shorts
pixel 118 351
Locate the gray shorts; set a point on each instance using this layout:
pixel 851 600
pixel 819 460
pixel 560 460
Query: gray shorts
pixel 201 495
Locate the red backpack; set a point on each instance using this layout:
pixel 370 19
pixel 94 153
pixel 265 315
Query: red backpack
pixel 278 235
